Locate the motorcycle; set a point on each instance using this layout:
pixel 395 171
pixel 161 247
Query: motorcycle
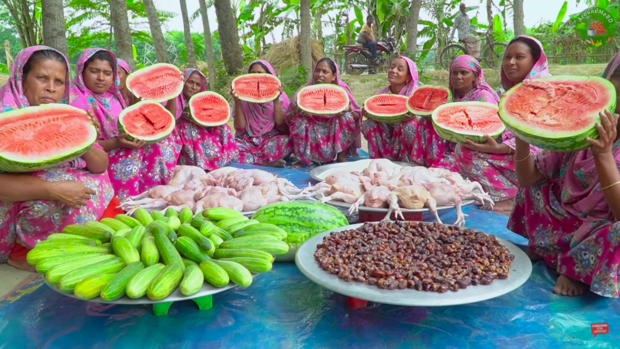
pixel 358 58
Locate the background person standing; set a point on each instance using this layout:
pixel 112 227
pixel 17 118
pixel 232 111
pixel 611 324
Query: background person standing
pixel 462 23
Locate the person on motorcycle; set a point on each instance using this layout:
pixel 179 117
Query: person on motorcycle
pixel 368 37
pixel 462 23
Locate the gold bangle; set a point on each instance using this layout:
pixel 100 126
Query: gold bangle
pixel 525 158
pixel 611 185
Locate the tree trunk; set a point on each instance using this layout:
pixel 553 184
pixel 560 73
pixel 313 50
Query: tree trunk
pixel 208 43
pixel 305 37
pixel 517 8
pixel 122 32
pixel 490 13
pixel 53 19
pixel 412 28
pixel 161 51
pixel 229 37
pixel 189 44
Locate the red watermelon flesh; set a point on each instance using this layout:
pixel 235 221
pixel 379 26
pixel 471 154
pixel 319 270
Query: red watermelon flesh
pixel 256 88
pixel 323 99
pixel 425 99
pixel 209 109
pixel 158 82
pixel 146 120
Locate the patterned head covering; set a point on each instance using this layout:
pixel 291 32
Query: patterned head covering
pixel 12 94
pixel 481 91
pixel 182 101
pixel 411 85
pixel 539 70
pixel 121 63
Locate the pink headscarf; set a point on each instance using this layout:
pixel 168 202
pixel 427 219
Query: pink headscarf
pixel 182 101
pixel 12 94
pixel 539 70
pixel 354 106
pixel 411 85
pixel 121 63
pixel 106 106
pixel 259 116
pixel 481 88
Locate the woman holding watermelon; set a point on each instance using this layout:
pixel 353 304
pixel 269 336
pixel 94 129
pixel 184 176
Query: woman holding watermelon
pixel 34 205
pixel 568 203
pixel 260 127
pixel 134 167
pixel 128 97
pixel 206 147
pixel 321 138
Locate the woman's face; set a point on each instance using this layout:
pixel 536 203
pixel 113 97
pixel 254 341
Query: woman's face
pixel 399 72
pixel 122 75
pixel 518 62
pixel 192 85
pixel 257 69
pixel 98 76
pixel 462 78
pixel 45 82
pixel 323 74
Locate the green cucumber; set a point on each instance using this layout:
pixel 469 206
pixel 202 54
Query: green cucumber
pixel 193 279
pixel 214 274
pixel 136 288
pixel 142 216
pixel 110 266
pixel 237 273
pixel 232 253
pixel 149 254
pixel 194 234
pixel 189 249
pixel 166 281
pixel 115 289
pixel 254 265
pixel 90 287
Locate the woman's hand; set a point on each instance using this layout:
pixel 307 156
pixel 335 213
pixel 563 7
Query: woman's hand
pixel 94 120
pixel 411 117
pixel 234 96
pixel 123 142
pixel 491 146
pixel 607 133
pixel 71 193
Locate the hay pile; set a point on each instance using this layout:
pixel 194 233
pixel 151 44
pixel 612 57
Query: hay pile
pixel 3 79
pixel 285 54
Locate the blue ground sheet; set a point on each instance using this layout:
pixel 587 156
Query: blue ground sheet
pixel 283 309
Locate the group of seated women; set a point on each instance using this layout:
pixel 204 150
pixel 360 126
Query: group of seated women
pixel 566 204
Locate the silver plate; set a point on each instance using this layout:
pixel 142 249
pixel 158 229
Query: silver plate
pixel 520 271
pixel 176 296
pixel 319 173
pixel 342 204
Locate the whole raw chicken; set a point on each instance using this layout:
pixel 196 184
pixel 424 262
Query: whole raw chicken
pixel 411 197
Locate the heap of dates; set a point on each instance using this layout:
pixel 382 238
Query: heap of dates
pixel 416 255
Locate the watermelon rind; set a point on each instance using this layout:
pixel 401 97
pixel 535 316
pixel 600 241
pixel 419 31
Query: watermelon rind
pixel 144 73
pixel 310 88
pixel 265 99
pixel 32 162
pixel 459 135
pixel 558 141
pixel 195 98
pixel 426 113
pixel 385 117
pixel 150 139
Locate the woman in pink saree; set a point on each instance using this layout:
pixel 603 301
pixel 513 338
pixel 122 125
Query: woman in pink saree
pixel 34 205
pixel 394 141
pixel 569 204
pixel 320 138
pixel 134 167
pixel 128 97
pixel 260 127
pixel 206 147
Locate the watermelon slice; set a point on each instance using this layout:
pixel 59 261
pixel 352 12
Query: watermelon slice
pixel 386 108
pixel 557 113
pixel 35 138
pixel 159 82
pixel 256 88
pixel 426 98
pixel 209 109
pixel 147 121
pixel 460 121
pixel 323 99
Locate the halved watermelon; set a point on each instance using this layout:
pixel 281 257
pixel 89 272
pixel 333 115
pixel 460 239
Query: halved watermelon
pixel 256 88
pixel 557 113
pixel 426 98
pixel 387 108
pixel 147 121
pixel 460 121
pixel 159 82
pixel 35 138
pixel 323 99
pixel 209 109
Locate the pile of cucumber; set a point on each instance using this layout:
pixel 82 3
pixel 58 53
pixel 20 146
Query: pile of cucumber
pixel 154 254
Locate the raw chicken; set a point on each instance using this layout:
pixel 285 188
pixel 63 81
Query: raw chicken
pixel 253 198
pixel 445 195
pixel 411 197
pixel 183 174
pixel 384 166
pixel 374 196
pixel 421 176
pixel 216 197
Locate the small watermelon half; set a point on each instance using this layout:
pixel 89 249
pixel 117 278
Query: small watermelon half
pixel 323 99
pixel 256 88
pixel 460 121
pixel 425 99
pixel 557 113
pixel 159 82
pixel 388 108
pixel 147 121
pixel 35 138
pixel 209 109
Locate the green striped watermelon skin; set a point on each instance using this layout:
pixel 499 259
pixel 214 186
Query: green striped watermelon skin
pixel 302 216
